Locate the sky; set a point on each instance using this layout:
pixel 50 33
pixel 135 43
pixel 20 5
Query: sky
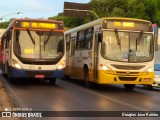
pixel 33 8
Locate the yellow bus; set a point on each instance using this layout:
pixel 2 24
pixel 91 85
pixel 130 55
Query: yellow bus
pixel 34 48
pixel 111 51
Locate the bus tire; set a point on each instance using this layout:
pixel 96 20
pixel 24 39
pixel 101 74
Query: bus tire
pixel 52 81
pixel 148 87
pixel 3 71
pixel 86 78
pixel 67 77
pixel 11 80
pixel 129 86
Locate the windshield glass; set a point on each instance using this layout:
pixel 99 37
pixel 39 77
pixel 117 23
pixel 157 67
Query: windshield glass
pixel 39 45
pixel 127 46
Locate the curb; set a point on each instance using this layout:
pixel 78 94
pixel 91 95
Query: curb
pixel 5 101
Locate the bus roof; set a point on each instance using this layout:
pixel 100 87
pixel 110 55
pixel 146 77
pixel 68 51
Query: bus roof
pixel 100 22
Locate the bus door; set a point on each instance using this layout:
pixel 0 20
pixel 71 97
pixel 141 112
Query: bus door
pixel 95 57
pixel 71 56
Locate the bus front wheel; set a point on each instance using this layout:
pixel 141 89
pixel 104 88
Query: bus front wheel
pixel 129 86
pixel 86 79
pixel 3 70
pixel 52 81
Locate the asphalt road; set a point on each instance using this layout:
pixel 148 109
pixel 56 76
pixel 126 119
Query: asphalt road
pixel 67 95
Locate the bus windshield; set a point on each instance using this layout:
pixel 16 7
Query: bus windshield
pixel 131 47
pixel 38 45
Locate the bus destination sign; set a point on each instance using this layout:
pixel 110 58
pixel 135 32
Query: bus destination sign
pixel 127 25
pixel 38 25
pixel 124 24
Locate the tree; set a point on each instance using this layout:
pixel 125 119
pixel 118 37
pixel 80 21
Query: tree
pixel 70 22
pixel 117 12
pixel 104 8
pixel 136 9
pixel 4 25
pixel 142 9
pixel 153 10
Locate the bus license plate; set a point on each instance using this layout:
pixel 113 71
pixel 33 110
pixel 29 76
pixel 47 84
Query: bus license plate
pixel 39 76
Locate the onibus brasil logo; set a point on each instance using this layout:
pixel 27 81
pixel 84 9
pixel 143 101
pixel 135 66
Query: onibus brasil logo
pixel 20 113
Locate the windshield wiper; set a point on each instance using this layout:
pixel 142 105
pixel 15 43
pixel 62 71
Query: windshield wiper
pixel 139 39
pixel 46 41
pixel 29 33
pixel 118 39
pixel 17 43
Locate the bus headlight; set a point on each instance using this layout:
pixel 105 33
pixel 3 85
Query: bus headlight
pixel 16 64
pixel 148 71
pixel 61 65
pixel 106 69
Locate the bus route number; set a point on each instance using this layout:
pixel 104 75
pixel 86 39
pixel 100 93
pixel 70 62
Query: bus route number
pixel 28 51
pixel 142 54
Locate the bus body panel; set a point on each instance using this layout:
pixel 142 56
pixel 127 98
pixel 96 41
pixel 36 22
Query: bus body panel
pixel 95 61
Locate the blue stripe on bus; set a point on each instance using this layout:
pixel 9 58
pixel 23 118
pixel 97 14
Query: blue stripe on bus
pixel 20 73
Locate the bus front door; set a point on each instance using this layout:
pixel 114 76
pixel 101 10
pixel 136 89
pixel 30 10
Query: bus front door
pixel 71 57
pixel 95 58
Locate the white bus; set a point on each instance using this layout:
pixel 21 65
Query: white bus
pixel 34 48
pixel 111 51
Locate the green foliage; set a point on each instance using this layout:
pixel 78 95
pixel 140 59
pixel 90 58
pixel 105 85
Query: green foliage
pixel 4 25
pixel 153 10
pixel 136 9
pixel 104 8
pixel 117 12
pixel 70 22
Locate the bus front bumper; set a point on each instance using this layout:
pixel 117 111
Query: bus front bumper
pixel 104 78
pixel 21 73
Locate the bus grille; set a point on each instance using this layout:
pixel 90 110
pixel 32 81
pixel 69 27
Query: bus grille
pixel 125 67
pixel 127 73
pixel 127 78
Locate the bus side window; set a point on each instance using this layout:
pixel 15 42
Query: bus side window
pixel 68 39
pixel 80 40
pixel 88 39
